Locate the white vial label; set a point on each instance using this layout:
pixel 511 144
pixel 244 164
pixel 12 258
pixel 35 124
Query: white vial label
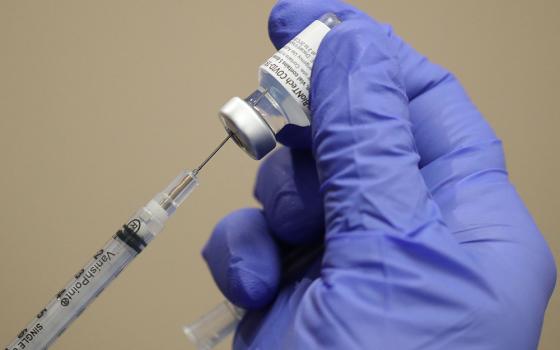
pixel 291 65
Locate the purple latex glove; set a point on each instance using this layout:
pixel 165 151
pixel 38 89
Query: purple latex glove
pixel 427 243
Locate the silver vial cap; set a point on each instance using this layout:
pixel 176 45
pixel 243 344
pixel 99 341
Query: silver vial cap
pixel 247 127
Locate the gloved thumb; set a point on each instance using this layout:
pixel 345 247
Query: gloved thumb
pixel 361 135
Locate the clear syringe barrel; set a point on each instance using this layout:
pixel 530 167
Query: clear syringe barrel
pixel 209 330
pixel 105 265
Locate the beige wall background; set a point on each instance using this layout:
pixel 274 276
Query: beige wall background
pixel 103 102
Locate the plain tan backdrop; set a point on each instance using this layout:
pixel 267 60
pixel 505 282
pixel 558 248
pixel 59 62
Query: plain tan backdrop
pixel 103 102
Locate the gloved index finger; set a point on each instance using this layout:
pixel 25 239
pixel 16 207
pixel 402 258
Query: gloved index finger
pixel 364 150
pixel 443 117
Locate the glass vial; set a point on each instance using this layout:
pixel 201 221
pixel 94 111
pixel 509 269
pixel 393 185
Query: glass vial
pixel 283 94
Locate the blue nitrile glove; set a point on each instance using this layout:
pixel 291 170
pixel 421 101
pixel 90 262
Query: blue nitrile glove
pixel 427 243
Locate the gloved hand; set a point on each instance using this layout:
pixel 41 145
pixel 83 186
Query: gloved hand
pixel 427 243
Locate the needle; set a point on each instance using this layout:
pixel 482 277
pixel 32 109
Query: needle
pixel 195 171
pixel 185 182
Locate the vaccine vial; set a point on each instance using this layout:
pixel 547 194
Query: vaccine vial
pixel 282 96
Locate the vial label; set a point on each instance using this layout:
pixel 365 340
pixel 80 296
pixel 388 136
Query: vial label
pixel 291 65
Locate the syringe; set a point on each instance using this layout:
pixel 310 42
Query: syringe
pixel 107 263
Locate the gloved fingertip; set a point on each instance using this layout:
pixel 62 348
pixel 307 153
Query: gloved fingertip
pixel 295 137
pixel 294 221
pixel 283 25
pixel 288 188
pixel 244 259
pixel 289 17
pixel 249 290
